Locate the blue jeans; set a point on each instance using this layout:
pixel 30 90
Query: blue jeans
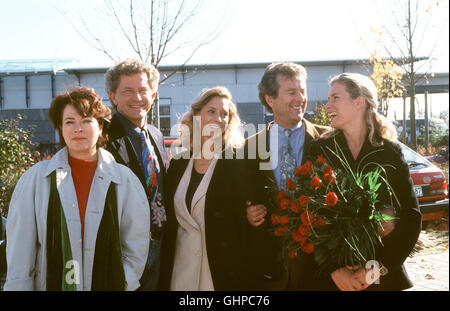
pixel 150 277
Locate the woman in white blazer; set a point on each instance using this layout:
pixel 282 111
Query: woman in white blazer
pixel 79 221
pixel 205 241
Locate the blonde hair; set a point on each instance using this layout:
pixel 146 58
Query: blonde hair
pixel 377 124
pixel 232 137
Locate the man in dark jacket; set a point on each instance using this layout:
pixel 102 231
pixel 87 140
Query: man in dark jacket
pixel 282 91
pixel 132 87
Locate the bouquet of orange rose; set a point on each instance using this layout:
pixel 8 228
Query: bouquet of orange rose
pixel 333 213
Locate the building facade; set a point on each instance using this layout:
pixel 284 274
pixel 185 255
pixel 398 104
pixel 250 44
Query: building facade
pixel 27 87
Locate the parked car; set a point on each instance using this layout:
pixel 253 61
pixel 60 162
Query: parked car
pixel 430 185
pixel 441 157
pixel 173 146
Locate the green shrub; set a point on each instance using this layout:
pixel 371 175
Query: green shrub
pixel 15 157
pixel 320 115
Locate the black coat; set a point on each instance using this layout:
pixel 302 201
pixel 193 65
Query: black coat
pixel 399 243
pixel 269 267
pixel 225 225
pixel 122 149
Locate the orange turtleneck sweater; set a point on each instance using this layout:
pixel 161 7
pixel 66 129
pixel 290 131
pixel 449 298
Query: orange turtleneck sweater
pixel 82 174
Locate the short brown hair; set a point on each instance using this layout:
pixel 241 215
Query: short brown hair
pixel 269 85
pixel 130 67
pixel 87 103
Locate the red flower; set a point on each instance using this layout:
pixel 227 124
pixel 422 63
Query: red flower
pixel 331 199
pixel 304 200
pixel 315 183
pixel 328 169
pixel 329 178
pixel 292 253
pixel 304 230
pixel 296 207
pixel 307 217
pixel 321 160
pixel 320 222
pixel 298 237
pixel 290 184
pixel 274 219
pixel 280 230
pixel 284 204
pixel 282 195
pixel 308 248
pixel 283 220
pixel 305 169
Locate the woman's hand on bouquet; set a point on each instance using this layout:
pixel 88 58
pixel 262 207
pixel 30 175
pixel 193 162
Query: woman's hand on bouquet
pixel 255 214
pixel 389 225
pixel 346 280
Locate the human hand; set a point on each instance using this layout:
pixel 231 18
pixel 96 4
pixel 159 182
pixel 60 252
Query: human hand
pixel 256 214
pixel 366 277
pixel 389 225
pixel 345 280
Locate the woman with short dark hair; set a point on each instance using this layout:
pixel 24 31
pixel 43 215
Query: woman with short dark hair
pixel 79 221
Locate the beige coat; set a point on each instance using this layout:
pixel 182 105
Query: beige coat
pixel 27 222
pixel 191 268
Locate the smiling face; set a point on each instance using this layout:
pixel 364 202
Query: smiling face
pixel 214 116
pixel 290 103
pixel 342 109
pixel 133 97
pixel 80 134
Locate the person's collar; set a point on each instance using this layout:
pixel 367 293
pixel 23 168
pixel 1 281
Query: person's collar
pixel 128 125
pixel 293 129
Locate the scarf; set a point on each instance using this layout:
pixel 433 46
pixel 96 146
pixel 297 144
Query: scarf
pixel 62 270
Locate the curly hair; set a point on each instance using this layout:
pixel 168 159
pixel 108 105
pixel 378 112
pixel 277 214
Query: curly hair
pixel 378 125
pixel 87 103
pixel 269 85
pixel 233 136
pixel 130 67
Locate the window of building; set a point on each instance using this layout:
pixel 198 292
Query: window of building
pixel 164 115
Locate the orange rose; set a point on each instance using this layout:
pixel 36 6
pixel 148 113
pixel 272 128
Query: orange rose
pixel 320 222
pixel 307 217
pixel 296 207
pixel 304 200
pixel 304 230
pixel 321 160
pixel 331 199
pixel 308 248
pixel 301 239
pixel 315 183
pixel 280 230
pixel 328 169
pixel 290 184
pixel 283 220
pixel 274 219
pixel 282 195
pixel 329 178
pixel 284 204
pixel 304 170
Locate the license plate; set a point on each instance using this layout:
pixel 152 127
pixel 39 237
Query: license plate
pixel 418 191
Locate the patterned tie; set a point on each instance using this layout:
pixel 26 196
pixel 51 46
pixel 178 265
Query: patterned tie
pixel 151 180
pixel 287 162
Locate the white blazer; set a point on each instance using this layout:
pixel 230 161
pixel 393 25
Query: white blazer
pixel 191 267
pixel 27 222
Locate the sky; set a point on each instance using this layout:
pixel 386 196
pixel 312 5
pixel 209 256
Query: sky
pixel 256 31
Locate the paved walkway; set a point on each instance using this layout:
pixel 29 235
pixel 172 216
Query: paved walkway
pixel 429 272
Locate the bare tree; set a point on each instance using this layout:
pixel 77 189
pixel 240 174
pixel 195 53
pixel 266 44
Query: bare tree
pixel 151 30
pixel 402 38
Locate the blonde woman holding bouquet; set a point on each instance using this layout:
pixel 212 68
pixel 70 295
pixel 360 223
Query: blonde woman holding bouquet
pixel 364 140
